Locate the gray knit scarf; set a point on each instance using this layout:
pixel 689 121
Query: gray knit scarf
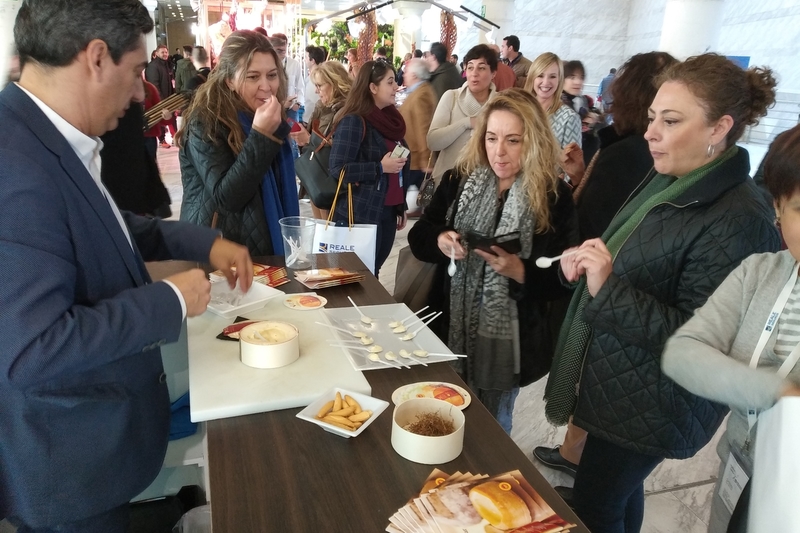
pixel 483 318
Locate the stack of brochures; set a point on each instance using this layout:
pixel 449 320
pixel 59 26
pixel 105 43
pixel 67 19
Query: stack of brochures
pixel 468 503
pixel 327 277
pixel 272 276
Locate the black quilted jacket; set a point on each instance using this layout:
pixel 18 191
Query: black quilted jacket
pixel 668 267
pixel 217 180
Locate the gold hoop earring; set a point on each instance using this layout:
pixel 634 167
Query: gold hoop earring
pixel 710 151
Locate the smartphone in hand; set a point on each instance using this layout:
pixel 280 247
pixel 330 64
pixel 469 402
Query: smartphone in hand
pixel 296 126
pixel 400 151
pixel 509 242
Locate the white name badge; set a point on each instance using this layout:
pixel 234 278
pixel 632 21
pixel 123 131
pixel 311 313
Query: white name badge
pixel 733 481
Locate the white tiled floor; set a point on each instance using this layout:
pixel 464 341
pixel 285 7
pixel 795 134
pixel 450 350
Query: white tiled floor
pixel 678 493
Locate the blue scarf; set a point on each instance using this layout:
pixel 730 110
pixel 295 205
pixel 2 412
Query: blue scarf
pixel 278 201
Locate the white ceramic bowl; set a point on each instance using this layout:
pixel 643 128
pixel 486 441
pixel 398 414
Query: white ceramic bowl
pixel 375 405
pixel 422 449
pixel 269 344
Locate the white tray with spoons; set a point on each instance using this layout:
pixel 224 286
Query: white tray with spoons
pixel 347 321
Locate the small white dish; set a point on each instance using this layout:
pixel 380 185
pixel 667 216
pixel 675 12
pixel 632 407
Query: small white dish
pixel 309 414
pixel 256 298
pixel 448 392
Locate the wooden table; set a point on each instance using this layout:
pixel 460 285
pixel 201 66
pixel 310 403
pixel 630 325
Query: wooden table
pixel 272 472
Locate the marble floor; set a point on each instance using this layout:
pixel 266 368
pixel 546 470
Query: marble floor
pixel 678 493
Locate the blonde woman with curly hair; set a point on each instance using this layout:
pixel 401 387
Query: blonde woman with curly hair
pixel 546 81
pixel 495 305
pixel 236 167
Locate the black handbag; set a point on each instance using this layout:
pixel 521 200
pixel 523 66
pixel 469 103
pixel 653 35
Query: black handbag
pixel 312 169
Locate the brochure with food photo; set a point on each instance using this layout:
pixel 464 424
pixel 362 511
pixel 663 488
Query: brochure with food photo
pixel 478 504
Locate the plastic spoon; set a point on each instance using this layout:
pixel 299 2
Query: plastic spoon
pixel 390 356
pixel 419 353
pixel 452 269
pixel 352 333
pixel 411 335
pixel 397 323
pixel 406 355
pixel 546 262
pixel 377 358
pixel 402 329
pixel 364 318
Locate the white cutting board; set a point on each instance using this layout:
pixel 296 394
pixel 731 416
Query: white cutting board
pixel 222 386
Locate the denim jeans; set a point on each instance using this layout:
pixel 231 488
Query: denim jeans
pixel 609 486
pixel 500 404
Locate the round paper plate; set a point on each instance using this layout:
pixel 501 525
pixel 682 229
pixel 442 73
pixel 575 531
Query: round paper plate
pixel 433 389
pixel 305 302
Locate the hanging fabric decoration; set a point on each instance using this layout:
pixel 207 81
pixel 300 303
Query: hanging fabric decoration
pixel 368 36
pixel 449 31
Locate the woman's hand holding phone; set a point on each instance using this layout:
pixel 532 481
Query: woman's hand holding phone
pixel 392 165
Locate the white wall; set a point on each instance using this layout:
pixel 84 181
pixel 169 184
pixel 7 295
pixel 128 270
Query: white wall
pixel 604 33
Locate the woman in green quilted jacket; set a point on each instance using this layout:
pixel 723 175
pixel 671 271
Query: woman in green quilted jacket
pixel 685 227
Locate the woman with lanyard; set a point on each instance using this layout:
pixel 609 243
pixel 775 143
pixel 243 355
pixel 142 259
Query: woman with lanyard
pixel 684 229
pixel 748 333
pixel 368 129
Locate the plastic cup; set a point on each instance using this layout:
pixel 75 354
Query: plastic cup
pixel 298 241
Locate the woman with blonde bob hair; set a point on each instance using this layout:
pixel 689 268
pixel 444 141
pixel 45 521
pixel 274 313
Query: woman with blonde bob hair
pixel 506 181
pixel 237 170
pixel 546 82
pixel 332 83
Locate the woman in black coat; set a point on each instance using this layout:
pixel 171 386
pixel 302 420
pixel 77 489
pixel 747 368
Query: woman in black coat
pixel 496 303
pixel 685 227
pixel 236 167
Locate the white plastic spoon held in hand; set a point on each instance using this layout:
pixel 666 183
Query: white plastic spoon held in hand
pixel 546 262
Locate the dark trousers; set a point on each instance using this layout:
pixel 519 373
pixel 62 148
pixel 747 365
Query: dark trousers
pixel 114 521
pixel 415 177
pixel 609 487
pixel 387 229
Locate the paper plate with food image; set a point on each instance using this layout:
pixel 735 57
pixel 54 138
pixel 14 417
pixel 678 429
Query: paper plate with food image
pixel 307 301
pixel 433 389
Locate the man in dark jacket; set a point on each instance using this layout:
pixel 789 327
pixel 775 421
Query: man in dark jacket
pixel 202 70
pixel 159 73
pixel 444 75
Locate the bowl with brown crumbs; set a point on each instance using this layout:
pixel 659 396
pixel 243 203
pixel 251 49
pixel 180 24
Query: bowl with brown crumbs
pixel 427 431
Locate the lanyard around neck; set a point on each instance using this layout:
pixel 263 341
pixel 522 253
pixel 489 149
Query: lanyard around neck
pixel 766 332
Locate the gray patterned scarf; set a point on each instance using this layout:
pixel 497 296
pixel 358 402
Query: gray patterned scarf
pixel 483 319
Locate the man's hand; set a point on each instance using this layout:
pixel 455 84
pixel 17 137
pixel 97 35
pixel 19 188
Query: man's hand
pixel 195 289
pixel 226 254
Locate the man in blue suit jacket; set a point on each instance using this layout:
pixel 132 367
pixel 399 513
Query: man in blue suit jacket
pixel 84 409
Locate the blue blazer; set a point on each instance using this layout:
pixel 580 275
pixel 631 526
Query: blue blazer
pixel 84 410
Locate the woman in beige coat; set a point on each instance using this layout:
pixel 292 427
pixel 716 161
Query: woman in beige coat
pixel 456 114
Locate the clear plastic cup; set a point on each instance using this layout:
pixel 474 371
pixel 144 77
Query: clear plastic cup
pixel 298 241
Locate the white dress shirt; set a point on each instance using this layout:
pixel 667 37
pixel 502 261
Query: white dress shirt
pixel 88 151
pixel 294 74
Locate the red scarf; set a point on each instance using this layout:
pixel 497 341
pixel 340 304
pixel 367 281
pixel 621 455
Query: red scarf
pixel 389 122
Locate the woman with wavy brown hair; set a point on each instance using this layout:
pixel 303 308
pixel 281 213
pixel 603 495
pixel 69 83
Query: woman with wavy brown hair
pixel 495 306
pixel 236 167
